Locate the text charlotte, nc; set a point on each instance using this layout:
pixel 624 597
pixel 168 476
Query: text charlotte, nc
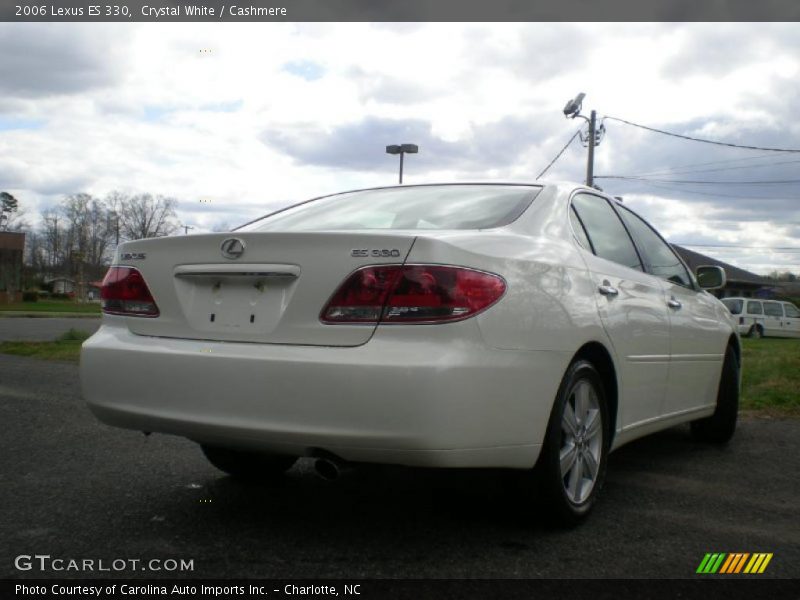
pixel 193 10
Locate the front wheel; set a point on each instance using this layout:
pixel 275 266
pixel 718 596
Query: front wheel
pixel 720 426
pixel 244 464
pixel 572 465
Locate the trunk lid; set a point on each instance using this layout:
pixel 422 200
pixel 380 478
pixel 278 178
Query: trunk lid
pixel 272 292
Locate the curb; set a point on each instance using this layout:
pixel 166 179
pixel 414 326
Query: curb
pixel 11 314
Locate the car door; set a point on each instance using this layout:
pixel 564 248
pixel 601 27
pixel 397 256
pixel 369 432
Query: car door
pixel 791 320
pixel 755 315
pixel 631 305
pixel 698 337
pixel 773 319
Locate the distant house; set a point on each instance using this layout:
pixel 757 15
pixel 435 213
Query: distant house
pixel 61 285
pixel 12 246
pixel 739 282
pixel 93 289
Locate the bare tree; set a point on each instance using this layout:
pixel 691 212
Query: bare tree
pixel 147 216
pixel 113 202
pixel 87 235
pixel 53 236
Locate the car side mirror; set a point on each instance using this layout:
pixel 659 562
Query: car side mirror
pixel 711 278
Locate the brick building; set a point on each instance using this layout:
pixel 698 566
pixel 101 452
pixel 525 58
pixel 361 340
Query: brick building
pixel 12 247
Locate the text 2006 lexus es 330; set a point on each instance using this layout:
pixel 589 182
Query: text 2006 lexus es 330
pixel 532 327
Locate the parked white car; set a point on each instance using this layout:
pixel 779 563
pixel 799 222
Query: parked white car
pixel 531 327
pixel 764 318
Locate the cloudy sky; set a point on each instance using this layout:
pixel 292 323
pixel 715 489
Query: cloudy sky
pixel 236 119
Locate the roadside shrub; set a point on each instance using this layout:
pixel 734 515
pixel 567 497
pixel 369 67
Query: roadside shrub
pixel 73 335
pixel 59 296
pixel 30 296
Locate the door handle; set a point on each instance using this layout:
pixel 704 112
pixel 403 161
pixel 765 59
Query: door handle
pixel 607 289
pixel 673 303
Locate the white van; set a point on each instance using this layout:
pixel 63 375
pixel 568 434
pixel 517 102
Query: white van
pixel 761 318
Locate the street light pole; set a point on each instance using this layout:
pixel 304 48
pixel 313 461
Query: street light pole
pixel 401 149
pixel 402 154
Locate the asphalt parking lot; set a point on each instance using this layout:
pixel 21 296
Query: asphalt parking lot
pixel 74 488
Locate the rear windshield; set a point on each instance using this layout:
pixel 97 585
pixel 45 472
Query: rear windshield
pixel 735 306
pixel 413 207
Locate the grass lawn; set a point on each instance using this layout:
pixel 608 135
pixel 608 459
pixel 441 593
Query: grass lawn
pixel 771 376
pixel 55 306
pixel 66 347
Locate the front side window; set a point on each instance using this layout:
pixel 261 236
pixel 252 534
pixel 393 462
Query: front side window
pixel 412 207
pixel 662 260
pixel 773 309
pixel 791 311
pixel 733 305
pixel 754 308
pixel 605 231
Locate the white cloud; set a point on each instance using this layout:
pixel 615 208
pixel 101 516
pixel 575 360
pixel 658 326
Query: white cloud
pixel 182 110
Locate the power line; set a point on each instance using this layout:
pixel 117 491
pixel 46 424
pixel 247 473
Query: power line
pixel 704 141
pixel 780 249
pixel 697 182
pixel 552 162
pixel 678 171
pixel 712 194
pixel 703 164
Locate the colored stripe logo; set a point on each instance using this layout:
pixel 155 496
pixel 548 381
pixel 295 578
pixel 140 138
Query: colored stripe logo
pixel 734 563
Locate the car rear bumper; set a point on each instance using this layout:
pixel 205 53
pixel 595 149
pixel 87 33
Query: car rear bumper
pixel 412 395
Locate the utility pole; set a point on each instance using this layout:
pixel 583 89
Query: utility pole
pixel 590 159
pixel 572 110
pixel 186 229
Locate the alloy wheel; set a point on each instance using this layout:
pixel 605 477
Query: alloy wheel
pixel 581 441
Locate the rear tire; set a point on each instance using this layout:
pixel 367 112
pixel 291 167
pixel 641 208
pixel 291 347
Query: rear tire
pixel 720 427
pixel 572 465
pixel 248 465
pixel 755 332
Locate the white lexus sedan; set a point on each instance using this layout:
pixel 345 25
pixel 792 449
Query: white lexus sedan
pixel 523 326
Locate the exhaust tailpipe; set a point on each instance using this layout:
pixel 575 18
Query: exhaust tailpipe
pixel 330 469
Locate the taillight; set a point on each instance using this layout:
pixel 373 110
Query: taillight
pixel 741 320
pixel 125 292
pixel 412 294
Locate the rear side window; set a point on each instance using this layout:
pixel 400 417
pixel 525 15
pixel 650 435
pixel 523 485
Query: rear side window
pixel 754 308
pixel 734 306
pixel 412 207
pixel 773 309
pixel 580 232
pixel 791 311
pixel 608 236
pixel 662 260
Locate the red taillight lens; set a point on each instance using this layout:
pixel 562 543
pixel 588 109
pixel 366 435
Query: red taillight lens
pixel 361 298
pixel 125 292
pixel 412 294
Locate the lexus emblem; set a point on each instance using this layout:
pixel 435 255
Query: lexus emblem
pixel 232 248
